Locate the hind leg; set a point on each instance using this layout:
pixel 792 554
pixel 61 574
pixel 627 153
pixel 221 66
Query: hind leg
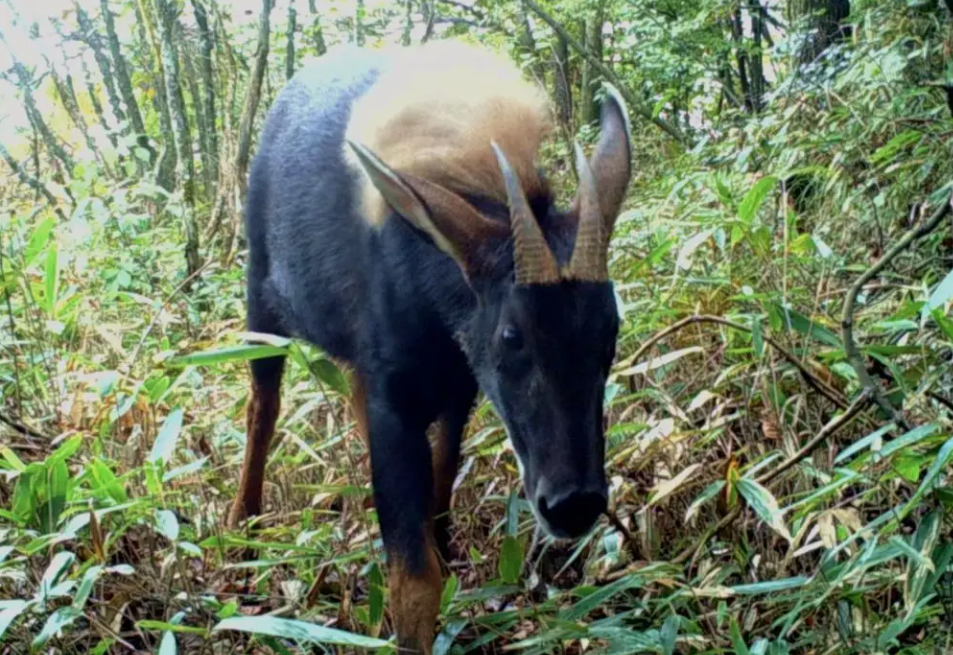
pixel 446 459
pixel 261 416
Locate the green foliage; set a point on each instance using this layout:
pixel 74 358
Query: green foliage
pixel 127 382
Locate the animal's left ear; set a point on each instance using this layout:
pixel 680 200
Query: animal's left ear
pixel 612 160
pixel 451 222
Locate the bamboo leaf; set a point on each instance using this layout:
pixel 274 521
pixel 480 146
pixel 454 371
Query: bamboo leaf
pixel 244 353
pixel 764 504
pixel 300 631
pixel 755 198
pixel 511 560
pixel 164 446
pixel 668 487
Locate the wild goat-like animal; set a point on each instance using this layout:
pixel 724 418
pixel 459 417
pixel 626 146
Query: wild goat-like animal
pixel 397 219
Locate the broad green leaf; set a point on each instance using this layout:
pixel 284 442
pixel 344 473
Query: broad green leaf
pixel 38 241
pixel 328 373
pixel 11 458
pixel 106 482
pixel 57 488
pixel 86 586
pixel 167 524
pixel 737 640
pixel 663 360
pixel 164 446
pixel 668 487
pixel 764 504
pixel 706 495
pixel 601 597
pixel 168 645
pixel 511 560
pixel 58 620
pixel 940 296
pixel 688 249
pixel 669 633
pixel 888 152
pixel 800 323
pixel 65 450
pixel 57 565
pixel 375 593
pixel 185 469
pixel 755 198
pixel 942 458
pixel 449 591
pixel 444 640
pixel 242 353
pixel 859 445
pixel 298 631
pixel 908 439
pixel 771 586
pixel 512 514
pixel 908 468
pixel 757 339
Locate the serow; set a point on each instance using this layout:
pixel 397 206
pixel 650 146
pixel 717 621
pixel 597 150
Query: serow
pixel 398 219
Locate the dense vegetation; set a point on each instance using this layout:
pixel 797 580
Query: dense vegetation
pixel 780 409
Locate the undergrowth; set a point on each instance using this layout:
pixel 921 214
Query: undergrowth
pixel 123 391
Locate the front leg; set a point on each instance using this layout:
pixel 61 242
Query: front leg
pixel 403 495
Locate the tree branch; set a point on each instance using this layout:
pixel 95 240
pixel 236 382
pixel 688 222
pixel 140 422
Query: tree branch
pixel 818 384
pixel 847 321
pixel 637 105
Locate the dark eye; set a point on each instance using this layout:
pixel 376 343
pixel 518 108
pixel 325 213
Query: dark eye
pixel 512 338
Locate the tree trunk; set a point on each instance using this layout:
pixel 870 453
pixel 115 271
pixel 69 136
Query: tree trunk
pixel 208 83
pixel 122 74
pixel 97 105
pixel 358 36
pixel 429 8
pixel 737 33
pixel 592 29
pixel 201 124
pixel 561 76
pixel 53 146
pixel 822 22
pixel 406 32
pixel 66 92
pixel 757 62
pixel 165 173
pixel 317 32
pixel 166 14
pixel 91 36
pixel 290 48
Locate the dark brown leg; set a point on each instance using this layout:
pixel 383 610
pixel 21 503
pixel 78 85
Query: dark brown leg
pixel 415 603
pixel 261 415
pixel 359 405
pixel 445 447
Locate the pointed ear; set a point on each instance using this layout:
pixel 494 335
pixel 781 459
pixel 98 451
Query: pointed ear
pixel 611 162
pixel 452 223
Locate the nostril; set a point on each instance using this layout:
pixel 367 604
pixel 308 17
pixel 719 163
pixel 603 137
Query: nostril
pixel 574 513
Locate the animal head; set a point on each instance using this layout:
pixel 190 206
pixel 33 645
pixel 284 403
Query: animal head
pixel 542 337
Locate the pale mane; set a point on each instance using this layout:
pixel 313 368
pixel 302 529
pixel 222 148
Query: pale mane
pixel 433 113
